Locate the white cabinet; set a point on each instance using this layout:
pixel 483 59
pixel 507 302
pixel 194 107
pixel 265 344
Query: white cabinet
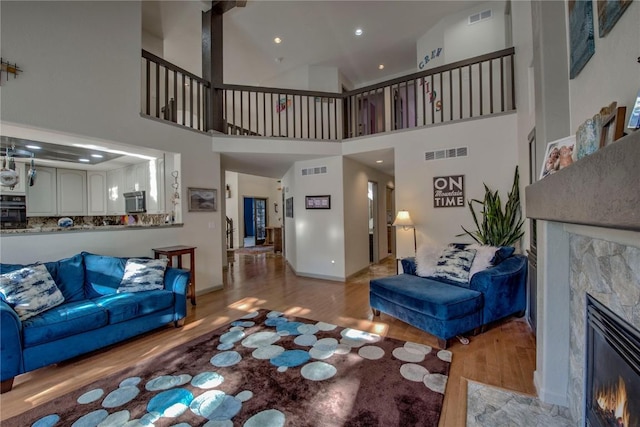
pixel 72 192
pixel 42 197
pixel 141 174
pixel 96 193
pixel 19 188
pixel 115 191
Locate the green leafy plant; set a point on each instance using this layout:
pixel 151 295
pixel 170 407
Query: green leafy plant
pixel 498 227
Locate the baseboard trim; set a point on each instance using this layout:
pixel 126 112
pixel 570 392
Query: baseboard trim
pixel 547 396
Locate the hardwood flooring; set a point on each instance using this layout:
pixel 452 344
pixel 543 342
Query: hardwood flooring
pixel 504 356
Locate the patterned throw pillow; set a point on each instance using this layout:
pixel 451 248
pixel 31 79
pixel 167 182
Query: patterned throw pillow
pixel 141 274
pixel 30 290
pixel 454 265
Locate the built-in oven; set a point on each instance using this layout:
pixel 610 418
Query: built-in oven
pixel 135 202
pixel 13 211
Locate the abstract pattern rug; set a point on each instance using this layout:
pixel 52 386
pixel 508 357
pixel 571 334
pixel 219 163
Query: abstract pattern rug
pixel 253 250
pixel 265 370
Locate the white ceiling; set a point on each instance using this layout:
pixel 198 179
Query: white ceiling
pixel 314 32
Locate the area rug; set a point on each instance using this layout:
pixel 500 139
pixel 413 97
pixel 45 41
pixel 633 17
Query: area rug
pixel 491 406
pixel 265 370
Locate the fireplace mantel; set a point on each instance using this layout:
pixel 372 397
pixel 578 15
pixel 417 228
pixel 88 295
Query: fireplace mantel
pixel 601 190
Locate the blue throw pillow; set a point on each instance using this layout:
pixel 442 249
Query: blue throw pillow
pixel 143 274
pixel 454 265
pixel 30 291
pixel 501 254
pixel 103 274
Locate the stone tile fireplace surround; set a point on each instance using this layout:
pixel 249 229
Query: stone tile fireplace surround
pixel 588 241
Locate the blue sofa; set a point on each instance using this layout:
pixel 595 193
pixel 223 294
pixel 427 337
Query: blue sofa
pixel 446 309
pixel 92 316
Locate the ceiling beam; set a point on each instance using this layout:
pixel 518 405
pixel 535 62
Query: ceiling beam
pixel 222 6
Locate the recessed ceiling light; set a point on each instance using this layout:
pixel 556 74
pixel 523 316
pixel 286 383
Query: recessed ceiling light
pixel 381 67
pixel 84 160
pixel 277 40
pixel 33 147
pixel 358 31
pixel 97 156
pixel 379 161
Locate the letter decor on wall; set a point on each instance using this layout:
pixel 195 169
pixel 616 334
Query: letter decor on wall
pixel 448 191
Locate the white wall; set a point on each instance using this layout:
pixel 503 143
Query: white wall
pixel 290 233
pixel 319 233
pixel 74 83
pixel 612 73
pixel 488 36
pixel 493 155
pixel 152 44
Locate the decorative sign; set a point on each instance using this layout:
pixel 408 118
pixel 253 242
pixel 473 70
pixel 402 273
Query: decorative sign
pixel 448 191
pixel 428 57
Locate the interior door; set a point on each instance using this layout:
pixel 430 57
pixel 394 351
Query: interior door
pixel 260 216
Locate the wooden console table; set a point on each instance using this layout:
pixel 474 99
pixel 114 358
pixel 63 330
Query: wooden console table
pixel 274 237
pixel 178 251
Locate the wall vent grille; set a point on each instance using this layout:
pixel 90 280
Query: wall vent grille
pixel 314 171
pixel 482 16
pixel 446 154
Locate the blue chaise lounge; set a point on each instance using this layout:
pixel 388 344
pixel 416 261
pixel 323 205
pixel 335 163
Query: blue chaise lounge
pixel 446 309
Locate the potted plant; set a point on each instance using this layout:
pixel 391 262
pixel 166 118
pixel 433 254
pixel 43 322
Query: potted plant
pixel 498 226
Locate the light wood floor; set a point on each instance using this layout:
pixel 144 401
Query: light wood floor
pixel 504 356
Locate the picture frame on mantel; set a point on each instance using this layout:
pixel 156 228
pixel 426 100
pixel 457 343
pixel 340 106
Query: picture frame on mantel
pixel 558 155
pixel 613 126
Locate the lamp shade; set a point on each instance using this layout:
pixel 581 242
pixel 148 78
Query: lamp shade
pixel 403 219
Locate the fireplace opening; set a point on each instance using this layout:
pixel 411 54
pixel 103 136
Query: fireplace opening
pixel 613 369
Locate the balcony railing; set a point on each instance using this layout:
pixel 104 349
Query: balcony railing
pixel 173 94
pixel 475 87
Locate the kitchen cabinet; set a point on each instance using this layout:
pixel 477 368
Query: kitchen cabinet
pixel 20 187
pixel 115 191
pixel 155 187
pixel 72 192
pixel 42 197
pixel 96 193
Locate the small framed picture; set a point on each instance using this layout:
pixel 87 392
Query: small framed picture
pixel 202 199
pixel 634 119
pixel 558 155
pixel 613 126
pixel 288 207
pixel 317 202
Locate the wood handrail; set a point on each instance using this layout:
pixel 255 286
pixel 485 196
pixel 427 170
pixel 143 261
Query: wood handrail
pixel 150 56
pixel 277 91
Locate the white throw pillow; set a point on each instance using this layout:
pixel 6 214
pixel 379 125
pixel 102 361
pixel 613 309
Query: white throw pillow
pixel 427 258
pixel 141 274
pixel 30 290
pixel 482 260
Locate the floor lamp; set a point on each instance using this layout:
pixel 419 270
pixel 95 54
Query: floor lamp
pixel 403 219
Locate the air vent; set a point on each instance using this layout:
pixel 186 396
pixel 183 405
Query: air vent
pixel 314 171
pixel 482 16
pixel 446 154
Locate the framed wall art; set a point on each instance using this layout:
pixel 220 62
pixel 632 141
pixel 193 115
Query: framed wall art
pixel 288 207
pixel 317 202
pixel 581 43
pixel 608 14
pixel 202 199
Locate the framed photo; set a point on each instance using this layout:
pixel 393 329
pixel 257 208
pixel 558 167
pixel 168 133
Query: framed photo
pixel 288 207
pixel 317 202
pixel 613 126
pixel 634 119
pixel 558 155
pixel 202 199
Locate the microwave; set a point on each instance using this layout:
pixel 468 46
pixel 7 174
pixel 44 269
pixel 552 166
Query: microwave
pixel 135 202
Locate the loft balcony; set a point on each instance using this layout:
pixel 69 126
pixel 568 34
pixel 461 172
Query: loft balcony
pixel 476 87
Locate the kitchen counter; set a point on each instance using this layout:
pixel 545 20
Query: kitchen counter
pixel 83 228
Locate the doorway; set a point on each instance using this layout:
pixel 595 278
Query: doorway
pixel 255 221
pixel 372 195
